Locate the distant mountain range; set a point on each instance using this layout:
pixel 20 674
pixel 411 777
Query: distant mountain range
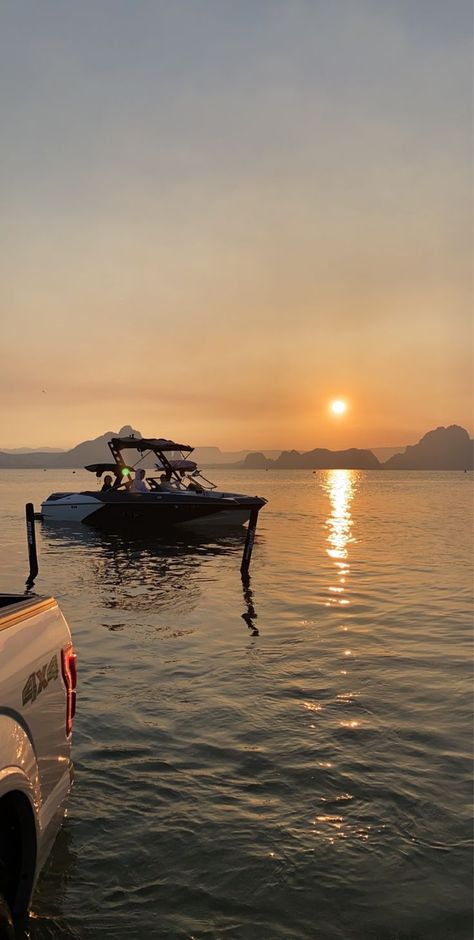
pixel 441 449
pixel 33 450
pixel 84 453
pixel 318 459
pixel 97 450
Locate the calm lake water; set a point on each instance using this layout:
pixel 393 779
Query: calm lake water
pixel 291 761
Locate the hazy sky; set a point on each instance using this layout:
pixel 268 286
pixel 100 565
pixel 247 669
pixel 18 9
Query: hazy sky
pixel 218 215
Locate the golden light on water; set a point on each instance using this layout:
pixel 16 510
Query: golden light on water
pixel 340 486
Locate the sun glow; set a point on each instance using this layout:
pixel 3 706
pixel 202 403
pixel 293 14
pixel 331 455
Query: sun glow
pixel 338 407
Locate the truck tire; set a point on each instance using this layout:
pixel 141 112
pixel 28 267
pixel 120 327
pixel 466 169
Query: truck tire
pixel 7 930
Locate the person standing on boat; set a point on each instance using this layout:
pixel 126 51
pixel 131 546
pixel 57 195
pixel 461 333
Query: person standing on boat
pixel 107 484
pixel 138 484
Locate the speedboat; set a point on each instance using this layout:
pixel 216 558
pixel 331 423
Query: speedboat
pixel 184 498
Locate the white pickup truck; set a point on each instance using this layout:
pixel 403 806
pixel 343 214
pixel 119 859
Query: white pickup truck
pixel 37 704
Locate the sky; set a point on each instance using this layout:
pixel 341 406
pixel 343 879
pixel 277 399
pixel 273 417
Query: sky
pixel 217 216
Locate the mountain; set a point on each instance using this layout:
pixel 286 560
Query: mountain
pixel 215 457
pixel 32 450
pixel 448 448
pixel 94 451
pixel 97 451
pixel 256 461
pixel 383 453
pixel 318 459
pixel 442 449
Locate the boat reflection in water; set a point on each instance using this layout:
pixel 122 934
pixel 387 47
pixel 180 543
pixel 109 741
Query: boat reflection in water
pixel 146 575
pixel 250 614
pixel 340 485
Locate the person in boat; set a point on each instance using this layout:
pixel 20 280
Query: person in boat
pixel 165 482
pixel 138 484
pixel 107 484
pixel 195 487
pixel 179 482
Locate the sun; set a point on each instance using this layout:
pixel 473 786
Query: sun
pixel 338 407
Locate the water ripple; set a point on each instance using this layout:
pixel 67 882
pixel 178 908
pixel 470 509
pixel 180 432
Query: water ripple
pixel 306 780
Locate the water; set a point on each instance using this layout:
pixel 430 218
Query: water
pixel 290 761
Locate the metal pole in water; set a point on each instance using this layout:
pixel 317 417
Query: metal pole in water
pixel 247 554
pixel 31 539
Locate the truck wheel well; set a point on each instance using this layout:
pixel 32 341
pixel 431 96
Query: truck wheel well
pixel 17 851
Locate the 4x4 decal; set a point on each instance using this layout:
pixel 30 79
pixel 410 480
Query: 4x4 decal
pixel 40 680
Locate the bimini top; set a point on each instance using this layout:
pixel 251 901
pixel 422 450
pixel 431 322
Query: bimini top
pixel 100 468
pixel 156 445
pixel 141 444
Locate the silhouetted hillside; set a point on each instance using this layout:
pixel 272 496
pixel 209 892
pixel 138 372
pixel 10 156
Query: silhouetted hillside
pixel 215 457
pixel 96 450
pixel 87 452
pixel 257 461
pixel 318 459
pixel 30 461
pixel 33 450
pixel 443 449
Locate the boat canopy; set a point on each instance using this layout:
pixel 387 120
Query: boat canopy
pixel 178 465
pixel 156 444
pixel 159 446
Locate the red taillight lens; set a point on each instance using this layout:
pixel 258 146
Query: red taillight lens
pixel 68 665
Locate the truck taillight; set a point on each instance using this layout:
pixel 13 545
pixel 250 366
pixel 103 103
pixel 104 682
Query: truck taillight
pixel 68 665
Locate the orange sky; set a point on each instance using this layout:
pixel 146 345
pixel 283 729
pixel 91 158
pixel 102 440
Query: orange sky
pixel 216 220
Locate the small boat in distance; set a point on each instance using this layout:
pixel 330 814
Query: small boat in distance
pixel 184 499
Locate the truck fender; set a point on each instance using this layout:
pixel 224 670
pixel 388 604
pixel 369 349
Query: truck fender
pixel 20 801
pixel 18 759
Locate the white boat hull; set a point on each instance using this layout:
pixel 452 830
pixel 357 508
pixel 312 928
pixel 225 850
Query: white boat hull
pixel 157 512
pixel 72 507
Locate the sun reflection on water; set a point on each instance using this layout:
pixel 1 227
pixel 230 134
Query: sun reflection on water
pixel 340 486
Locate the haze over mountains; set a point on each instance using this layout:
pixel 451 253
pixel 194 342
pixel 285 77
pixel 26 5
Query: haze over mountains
pixel 448 448
pixel 33 450
pixel 97 450
pixel 441 449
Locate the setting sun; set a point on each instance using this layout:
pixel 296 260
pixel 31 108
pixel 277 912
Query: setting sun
pixel 338 407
